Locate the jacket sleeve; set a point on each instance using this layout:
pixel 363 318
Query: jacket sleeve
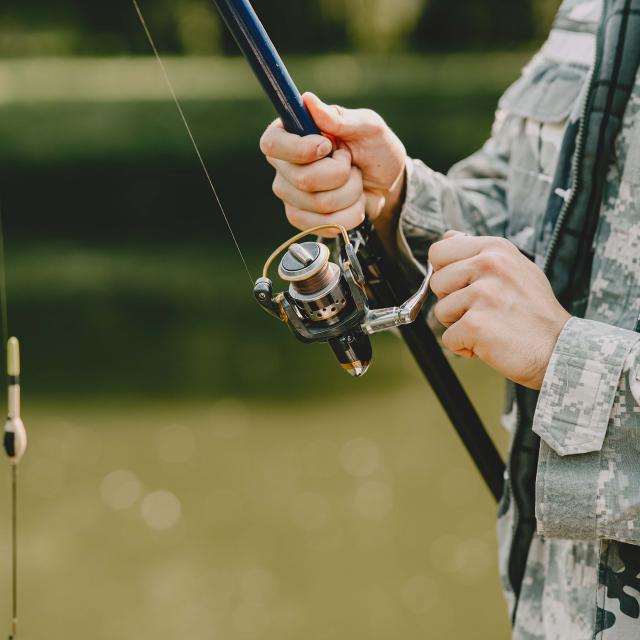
pixel 471 197
pixel 588 417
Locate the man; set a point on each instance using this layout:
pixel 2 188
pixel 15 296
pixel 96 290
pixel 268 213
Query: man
pixel 542 283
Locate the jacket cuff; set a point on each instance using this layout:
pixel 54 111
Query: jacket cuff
pixel 580 384
pixel 421 219
pixel 573 414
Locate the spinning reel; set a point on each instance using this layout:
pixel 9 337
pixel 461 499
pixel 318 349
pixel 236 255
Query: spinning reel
pixel 329 302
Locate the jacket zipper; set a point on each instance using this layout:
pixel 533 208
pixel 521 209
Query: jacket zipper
pixel 575 177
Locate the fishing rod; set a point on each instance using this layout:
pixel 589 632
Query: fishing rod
pixel 329 302
pixel 15 445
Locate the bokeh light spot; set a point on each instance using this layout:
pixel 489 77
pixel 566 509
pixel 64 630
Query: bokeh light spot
pixel 472 559
pixel 359 457
pixel 120 489
pixel 161 510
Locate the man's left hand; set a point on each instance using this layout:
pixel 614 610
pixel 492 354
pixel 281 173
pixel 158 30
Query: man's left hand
pixel 498 305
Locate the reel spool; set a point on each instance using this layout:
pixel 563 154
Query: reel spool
pixel 327 302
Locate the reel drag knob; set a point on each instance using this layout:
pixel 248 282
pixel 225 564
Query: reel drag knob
pixel 315 283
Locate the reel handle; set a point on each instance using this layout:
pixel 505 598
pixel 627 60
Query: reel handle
pixel 408 312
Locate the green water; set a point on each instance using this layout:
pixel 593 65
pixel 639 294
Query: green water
pixel 355 518
pixel 194 471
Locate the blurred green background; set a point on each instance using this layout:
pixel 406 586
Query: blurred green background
pixel 192 469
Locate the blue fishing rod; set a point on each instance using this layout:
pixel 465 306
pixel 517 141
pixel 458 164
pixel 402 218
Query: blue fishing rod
pixel 339 312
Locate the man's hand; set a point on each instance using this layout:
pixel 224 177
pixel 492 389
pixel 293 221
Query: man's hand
pixel 498 306
pixel 365 174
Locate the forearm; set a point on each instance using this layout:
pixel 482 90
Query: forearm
pixel 470 198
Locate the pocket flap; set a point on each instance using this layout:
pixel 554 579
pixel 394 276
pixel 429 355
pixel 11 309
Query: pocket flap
pixel 547 93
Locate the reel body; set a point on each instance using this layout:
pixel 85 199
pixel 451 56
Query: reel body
pixel 328 302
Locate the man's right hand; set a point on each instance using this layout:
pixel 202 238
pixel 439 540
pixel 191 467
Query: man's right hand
pixel 364 176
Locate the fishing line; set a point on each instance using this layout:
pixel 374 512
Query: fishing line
pixel 190 134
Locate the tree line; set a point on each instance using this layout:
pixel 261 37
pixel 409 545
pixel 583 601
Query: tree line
pixel 95 27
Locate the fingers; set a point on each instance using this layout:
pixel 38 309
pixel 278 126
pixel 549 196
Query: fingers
pixel 324 175
pixel 281 145
pixel 453 277
pixel 341 122
pixel 461 246
pixel 450 309
pixel 324 201
pixel 350 217
pixel 459 339
pixel 453 248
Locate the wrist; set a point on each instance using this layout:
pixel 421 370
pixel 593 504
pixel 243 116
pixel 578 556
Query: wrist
pixel 394 197
pixel 386 223
pixel 553 335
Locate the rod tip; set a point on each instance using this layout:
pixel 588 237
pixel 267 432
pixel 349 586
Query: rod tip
pixel 13 357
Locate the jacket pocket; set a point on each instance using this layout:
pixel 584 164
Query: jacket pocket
pixel 538 104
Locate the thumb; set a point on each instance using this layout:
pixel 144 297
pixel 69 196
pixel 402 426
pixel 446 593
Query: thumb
pixel 335 120
pixel 452 233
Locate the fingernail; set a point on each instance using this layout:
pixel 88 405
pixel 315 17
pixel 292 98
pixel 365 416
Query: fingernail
pixel 324 148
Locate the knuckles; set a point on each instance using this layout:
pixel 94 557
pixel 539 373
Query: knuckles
pixel 373 121
pixel 491 262
pixel 436 286
pixel 440 314
pixel 325 202
pixel 437 254
pixel 310 180
pixel 473 323
pixel 487 290
pixel 294 217
pixel 276 187
pixel 448 340
pixel 304 182
pixel 343 171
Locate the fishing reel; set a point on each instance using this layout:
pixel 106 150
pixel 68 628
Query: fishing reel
pixel 328 301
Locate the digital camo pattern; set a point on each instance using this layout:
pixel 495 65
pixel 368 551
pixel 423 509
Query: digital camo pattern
pixel 618 610
pixel 583 574
pixel 578 393
pixel 559 591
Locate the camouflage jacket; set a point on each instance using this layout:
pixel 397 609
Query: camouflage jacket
pixel 580 577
